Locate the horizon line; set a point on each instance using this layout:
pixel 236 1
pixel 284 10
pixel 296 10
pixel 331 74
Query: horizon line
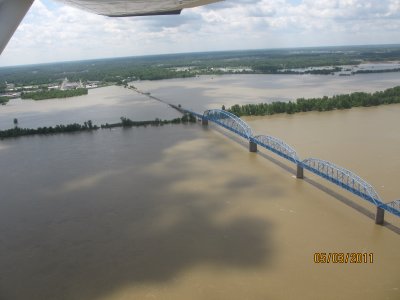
pixel 197 52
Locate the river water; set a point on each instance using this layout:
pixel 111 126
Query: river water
pixel 185 212
pixel 207 92
pixel 102 105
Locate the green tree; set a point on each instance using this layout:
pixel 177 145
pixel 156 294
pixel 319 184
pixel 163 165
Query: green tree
pixel 391 95
pixel 3 87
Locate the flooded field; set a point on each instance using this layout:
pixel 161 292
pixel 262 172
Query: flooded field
pixel 185 212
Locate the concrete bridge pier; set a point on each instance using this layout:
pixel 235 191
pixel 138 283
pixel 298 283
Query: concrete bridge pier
pixel 204 121
pixel 252 146
pixel 380 216
pixel 300 172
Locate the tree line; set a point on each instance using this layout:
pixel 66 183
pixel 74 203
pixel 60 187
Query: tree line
pixel 346 101
pixel 125 122
pixel 166 66
pixel 89 126
pixel 51 94
pixel 4 100
pixel 17 131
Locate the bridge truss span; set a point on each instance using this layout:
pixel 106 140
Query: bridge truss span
pixel 340 176
pixel 343 178
pixel 392 207
pixel 277 146
pixel 229 121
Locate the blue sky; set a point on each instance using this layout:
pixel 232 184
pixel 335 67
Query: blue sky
pixel 54 32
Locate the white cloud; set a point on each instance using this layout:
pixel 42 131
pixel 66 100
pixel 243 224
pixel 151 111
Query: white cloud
pixel 60 33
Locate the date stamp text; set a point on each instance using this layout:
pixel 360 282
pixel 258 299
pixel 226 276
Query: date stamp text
pixel 343 258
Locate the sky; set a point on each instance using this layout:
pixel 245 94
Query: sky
pixel 52 32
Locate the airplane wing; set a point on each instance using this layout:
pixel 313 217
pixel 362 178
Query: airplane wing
pixel 129 8
pixel 11 14
pixel 13 11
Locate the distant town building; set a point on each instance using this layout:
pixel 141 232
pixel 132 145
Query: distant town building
pixel 92 84
pixel 30 87
pixel 10 85
pixel 11 94
pixel 66 85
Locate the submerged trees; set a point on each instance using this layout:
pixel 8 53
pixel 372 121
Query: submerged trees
pixel 89 126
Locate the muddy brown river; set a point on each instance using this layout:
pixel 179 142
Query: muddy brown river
pixel 185 212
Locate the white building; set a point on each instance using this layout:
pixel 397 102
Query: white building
pixel 66 85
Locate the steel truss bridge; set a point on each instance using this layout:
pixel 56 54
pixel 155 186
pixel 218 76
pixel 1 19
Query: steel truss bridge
pixel 337 175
